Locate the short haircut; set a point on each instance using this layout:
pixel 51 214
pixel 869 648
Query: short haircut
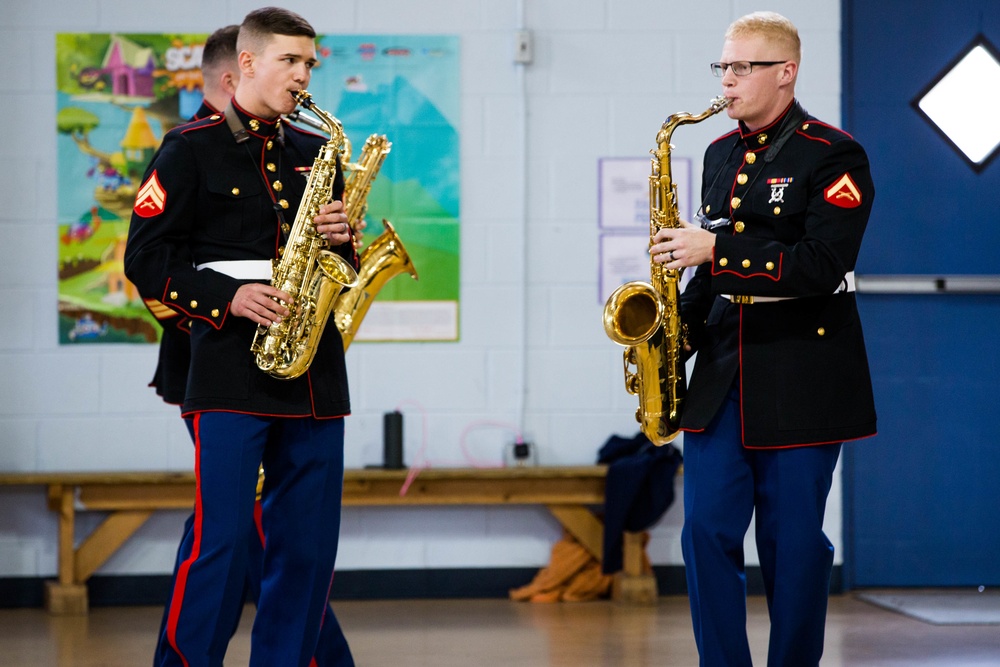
pixel 770 25
pixel 259 25
pixel 220 48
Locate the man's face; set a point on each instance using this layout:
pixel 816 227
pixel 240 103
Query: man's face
pixel 759 97
pixel 269 77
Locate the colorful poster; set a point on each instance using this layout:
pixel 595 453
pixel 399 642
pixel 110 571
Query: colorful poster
pixel 118 94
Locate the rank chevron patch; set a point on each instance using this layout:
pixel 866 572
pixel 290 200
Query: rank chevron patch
pixel 843 193
pixel 151 198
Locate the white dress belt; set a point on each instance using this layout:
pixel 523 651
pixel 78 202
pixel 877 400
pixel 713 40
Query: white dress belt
pixel 846 285
pixel 245 269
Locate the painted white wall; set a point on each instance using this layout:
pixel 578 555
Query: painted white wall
pixel 533 356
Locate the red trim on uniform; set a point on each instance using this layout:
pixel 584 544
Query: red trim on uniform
pixel 263 414
pixel 832 127
pixel 175 305
pixel 819 139
pixel 177 600
pixel 807 444
pixel 727 134
pixel 201 123
pixel 258 520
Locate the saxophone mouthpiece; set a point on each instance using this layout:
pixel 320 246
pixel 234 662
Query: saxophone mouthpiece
pixel 302 97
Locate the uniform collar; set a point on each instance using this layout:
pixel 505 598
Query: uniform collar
pixel 764 136
pixel 256 125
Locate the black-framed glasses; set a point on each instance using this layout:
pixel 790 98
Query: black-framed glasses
pixel 742 67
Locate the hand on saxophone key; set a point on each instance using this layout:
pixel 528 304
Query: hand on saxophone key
pixel 257 302
pixel 331 222
pixel 679 247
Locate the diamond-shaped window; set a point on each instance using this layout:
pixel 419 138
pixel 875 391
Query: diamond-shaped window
pixel 961 103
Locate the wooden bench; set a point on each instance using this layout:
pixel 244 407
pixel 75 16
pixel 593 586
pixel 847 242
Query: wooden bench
pixel 130 498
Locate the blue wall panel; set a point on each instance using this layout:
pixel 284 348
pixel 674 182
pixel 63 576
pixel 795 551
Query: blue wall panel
pixel 932 213
pixel 924 494
pixel 922 499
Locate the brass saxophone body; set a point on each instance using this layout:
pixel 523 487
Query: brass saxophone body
pixel 384 258
pixel 645 317
pixel 311 273
pixel 360 175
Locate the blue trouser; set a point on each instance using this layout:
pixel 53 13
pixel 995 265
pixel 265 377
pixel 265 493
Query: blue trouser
pixel 332 649
pixel 724 484
pixel 301 519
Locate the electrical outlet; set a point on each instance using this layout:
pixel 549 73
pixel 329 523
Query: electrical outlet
pixel 524 51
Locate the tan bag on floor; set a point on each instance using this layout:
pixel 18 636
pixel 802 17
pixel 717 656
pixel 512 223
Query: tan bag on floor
pixel 572 575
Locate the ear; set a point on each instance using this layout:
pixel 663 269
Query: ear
pixel 789 71
pixel 228 81
pixel 245 59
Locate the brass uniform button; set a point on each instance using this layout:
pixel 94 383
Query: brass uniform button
pixel 746 263
pixel 750 158
pixel 723 261
pixel 254 125
pixel 805 126
pixel 215 312
pixel 821 331
pixel 777 210
pixel 739 226
pixel 285 227
pixel 270 144
pixel 735 202
pixel 283 203
pixel 173 295
pixel 194 304
pixel 271 167
pixel 281 250
pixel 770 266
pixel 708 209
pixel 277 186
pixel 236 192
pixel 761 139
pixel 742 179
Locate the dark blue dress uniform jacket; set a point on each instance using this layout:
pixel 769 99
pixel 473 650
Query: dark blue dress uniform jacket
pixel 206 198
pixel 170 377
pixel 796 226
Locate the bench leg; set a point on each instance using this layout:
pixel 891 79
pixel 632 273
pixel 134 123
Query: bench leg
pixel 65 596
pixel 636 583
pixel 66 599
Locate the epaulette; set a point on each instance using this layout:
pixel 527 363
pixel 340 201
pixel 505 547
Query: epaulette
pixel 727 134
pixel 820 131
pixel 201 123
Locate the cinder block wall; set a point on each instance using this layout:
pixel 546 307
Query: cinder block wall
pixel 532 358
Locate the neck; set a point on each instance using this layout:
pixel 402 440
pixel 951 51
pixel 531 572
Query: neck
pixel 254 107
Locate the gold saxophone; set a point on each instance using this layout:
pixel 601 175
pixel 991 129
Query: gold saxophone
pixel 645 317
pixel 384 258
pixel 307 270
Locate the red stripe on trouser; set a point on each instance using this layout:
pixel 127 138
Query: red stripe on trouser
pixel 177 600
pixel 258 519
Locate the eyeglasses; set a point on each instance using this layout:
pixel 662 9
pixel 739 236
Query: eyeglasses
pixel 742 67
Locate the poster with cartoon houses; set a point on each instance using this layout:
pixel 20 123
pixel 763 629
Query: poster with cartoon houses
pixel 118 94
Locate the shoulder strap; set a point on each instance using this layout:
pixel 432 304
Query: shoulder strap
pixel 793 119
pixel 240 133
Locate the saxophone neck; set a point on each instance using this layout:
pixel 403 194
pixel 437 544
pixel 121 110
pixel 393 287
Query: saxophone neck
pixel 674 120
pixel 333 126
